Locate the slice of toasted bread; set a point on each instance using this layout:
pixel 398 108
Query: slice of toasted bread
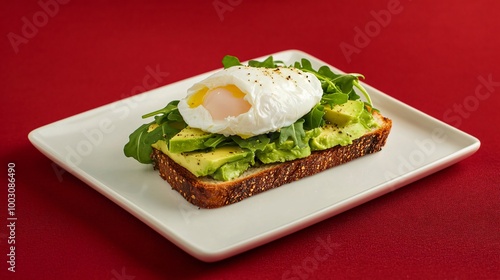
pixel 206 192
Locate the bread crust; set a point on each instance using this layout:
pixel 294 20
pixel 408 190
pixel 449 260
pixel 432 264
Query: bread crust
pixel 205 192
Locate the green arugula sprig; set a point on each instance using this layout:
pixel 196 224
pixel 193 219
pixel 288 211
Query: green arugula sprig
pixel 167 123
pixel 337 89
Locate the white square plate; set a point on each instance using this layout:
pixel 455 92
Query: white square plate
pixel 90 146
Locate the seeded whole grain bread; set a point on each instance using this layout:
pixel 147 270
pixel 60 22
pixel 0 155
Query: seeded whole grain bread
pixel 206 192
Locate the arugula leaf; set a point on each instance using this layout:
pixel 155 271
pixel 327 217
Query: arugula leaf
pixel 163 131
pixel 304 64
pixel 140 141
pixel 335 83
pixel 295 132
pixel 230 61
pixel 167 123
pixel 258 142
pixel 138 145
pixel 216 141
pixel 363 90
pixel 353 95
pixel 314 118
pixel 267 63
pixel 333 99
pixel 326 72
pixel 172 106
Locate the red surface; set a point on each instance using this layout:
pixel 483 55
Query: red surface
pixel 431 55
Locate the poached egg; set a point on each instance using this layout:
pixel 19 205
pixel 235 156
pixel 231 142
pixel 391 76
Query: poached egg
pixel 248 101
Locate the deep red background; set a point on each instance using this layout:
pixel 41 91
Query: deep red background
pixel 429 55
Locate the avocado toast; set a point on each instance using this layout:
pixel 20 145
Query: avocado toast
pixel 211 169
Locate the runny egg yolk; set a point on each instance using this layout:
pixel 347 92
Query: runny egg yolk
pixel 221 102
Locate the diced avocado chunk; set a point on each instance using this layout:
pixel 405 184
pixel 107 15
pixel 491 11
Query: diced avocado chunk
pixel 344 113
pixel 189 139
pixel 366 118
pixel 332 135
pixel 203 163
pixel 231 170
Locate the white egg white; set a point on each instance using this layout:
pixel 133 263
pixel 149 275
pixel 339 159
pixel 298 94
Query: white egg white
pixel 278 98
